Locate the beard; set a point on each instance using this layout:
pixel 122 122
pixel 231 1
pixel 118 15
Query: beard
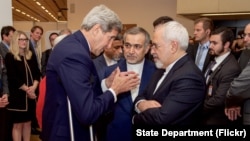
pixel 216 53
pixel 158 64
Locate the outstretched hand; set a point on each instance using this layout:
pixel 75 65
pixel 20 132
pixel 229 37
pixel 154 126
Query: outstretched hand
pixel 124 81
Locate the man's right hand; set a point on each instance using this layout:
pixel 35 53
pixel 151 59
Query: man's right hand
pixel 124 81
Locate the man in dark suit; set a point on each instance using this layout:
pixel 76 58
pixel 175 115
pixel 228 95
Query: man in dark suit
pixel 36 33
pixel 199 51
pixel 6 35
pixel 238 96
pixel 5 122
pixel 46 53
pixel 219 78
pixel 110 56
pixel 175 97
pixel 71 77
pixel 136 45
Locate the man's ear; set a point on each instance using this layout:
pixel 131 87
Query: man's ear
pixel 95 29
pixel 208 31
pixel 227 45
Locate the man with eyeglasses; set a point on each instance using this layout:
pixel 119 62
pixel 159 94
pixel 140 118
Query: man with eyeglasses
pixel 110 56
pixel 136 45
pixel 174 96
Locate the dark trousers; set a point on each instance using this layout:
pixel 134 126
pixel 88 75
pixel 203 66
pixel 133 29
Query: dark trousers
pixel 5 125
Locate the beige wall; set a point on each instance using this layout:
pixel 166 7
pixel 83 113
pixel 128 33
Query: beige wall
pixel 212 6
pixel 140 12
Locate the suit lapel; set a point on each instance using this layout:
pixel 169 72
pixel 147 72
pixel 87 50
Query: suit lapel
pixel 170 74
pixel 145 77
pixel 125 99
pixel 219 67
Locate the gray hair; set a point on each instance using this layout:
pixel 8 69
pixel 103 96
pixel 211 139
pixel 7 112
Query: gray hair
pixel 104 16
pixel 137 30
pixel 174 31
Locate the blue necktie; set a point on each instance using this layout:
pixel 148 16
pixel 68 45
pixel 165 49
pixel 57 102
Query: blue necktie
pixel 199 55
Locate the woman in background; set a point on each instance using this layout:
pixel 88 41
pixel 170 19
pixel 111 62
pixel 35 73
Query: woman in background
pixel 23 79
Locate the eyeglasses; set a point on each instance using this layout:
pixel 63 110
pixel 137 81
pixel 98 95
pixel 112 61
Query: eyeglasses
pixel 21 39
pixel 129 46
pixel 155 46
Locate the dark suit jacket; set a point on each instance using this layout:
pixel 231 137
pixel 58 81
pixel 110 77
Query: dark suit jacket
pixel 244 58
pixel 120 128
pixel 32 49
pixel 181 95
pixel 3 50
pixel 45 57
pixel 220 80
pixel 6 125
pixel 100 65
pixel 71 73
pixel 192 51
pixel 239 93
pixel 3 71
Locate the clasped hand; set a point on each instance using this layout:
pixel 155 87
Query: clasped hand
pixel 4 101
pixel 233 113
pixel 122 81
pixel 31 92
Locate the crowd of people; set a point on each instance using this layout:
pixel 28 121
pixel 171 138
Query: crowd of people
pixel 133 80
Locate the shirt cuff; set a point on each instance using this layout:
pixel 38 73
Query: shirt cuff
pixel 114 94
pixel 136 104
pixel 103 85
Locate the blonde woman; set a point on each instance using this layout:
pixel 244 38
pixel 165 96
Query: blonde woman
pixel 23 79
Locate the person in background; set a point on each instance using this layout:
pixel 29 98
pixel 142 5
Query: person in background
pixel 159 21
pixel 109 57
pixel 175 94
pixel 199 51
pixel 245 53
pixel 23 79
pixel 219 74
pixel 36 33
pixel 5 122
pixel 71 77
pixel 6 35
pixel 65 31
pixel 238 98
pixel 46 53
pixel 238 44
pixel 136 45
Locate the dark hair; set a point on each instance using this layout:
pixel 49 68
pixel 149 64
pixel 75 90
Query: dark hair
pixel 241 34
pixel 119 37
pixel 137 30
pixel 162 20
pixel 53 33
pixel 6 30
pixel 35 27
pixel 226 34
